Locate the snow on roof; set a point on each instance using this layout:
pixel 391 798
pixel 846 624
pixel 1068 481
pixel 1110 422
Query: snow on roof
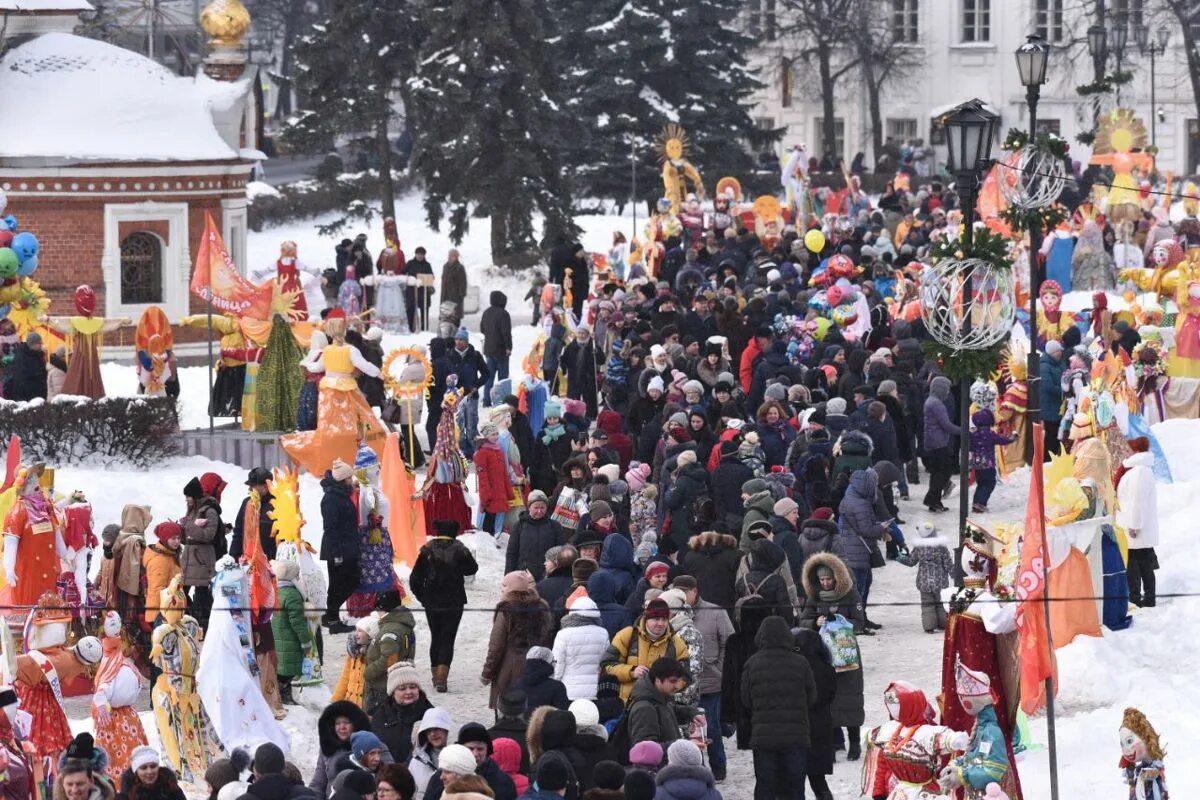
pixel 88 100
pixel 34 6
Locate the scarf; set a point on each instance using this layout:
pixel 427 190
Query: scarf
pixel 827 596
pixel 552 433
pixel 37 509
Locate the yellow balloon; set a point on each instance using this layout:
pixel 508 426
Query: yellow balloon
pixel 814 240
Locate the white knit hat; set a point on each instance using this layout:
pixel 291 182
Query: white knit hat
pixel 141 756
pixel 401 673
pixel 584 711
pixel 457 759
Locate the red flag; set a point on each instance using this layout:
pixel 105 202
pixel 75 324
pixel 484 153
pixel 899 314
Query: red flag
pixel 1036 655
pixel 216 275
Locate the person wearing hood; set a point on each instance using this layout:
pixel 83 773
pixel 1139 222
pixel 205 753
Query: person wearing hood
pixel 816 534
pixel 338 722
pixel 120 580
pixel 602 590
pixel 289 626
pixel 759 504
pixel 634 649
pixel 521 622
pixel 429 739
pixel 778 688
pixel 713 559
pixel 820 757
pixel 939 455
pixel 611 422
pixel 511 723
pixel 857 543
pixel 1137 513
pixel 617 560
pixel 396 642
pixel 685 777
pixel 984 441
pixel 404 707
pixel 160 563
pixel 579 647
pixel 766 573
pixel 551 737
pixel 339 542
pixel 508 755
pixel 852 451
pixel 496 326
pixel 727 481
pixel 830 592
pixel 690 486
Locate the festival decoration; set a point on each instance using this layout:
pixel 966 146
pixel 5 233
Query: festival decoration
pixel 814 240
pixel 978 321
pixel 1120 144
pixel 768 220
pixel 1142 758
pixel 407 390
pixel 905 755
pixel 1185 360
pixel 676 169
pixel 84 333
pixel 155 352
pixel 1034 173
pixel 987 759
pixel 216 278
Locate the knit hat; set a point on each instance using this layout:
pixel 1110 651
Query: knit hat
pixel 537 496
pixel 463 334
pixel 655 383
pixel 359 782
pixel 268 758
pixel 693 387
pixel 636 475
pixel 785 506
pixel 475 732
pixel 340 470
pixel 835 405
pixel 142 756
pixel 824 512
pixel 552 774
pixel 363 742
pixel 168 530
pixel 675 599
pixel 224 771
pixel 678 418
pixel 512 702
pixel 686 458
pixel 599 510
pixel 683 753
pixel 887 387
pixel 402 673
pixel 540 653
pixel 639 784
pixel 457 760
pixel 553 408
pixel 824 571
pixel 608 775
pixel 110 533
pixel 1054 347
pixel 656 568
pixel 648 752
pixel 754 486
pixel 657 609
pixel 584 711
pixel 610 472
pixel 776 392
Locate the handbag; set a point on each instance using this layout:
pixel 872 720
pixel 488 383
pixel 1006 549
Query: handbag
pixel 877 559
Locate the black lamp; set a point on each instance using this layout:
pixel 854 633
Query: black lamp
pixel 1032 58
pixel 1097 38
pixel 970 128
pixel 1120 32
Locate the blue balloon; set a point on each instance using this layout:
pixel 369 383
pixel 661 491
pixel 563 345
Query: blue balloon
pixel 4 309
pixel 25 245
pixel 9 223
pixel 28 266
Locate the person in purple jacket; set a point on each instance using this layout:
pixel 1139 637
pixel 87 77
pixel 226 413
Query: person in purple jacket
pixel 983 457
pixel 939 456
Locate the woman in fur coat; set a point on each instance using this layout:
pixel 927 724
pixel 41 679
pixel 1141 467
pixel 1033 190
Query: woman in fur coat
pixel 521 621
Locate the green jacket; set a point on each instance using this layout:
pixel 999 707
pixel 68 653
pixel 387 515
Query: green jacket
pixel 292 633
pixel 758 509
pixel 396 642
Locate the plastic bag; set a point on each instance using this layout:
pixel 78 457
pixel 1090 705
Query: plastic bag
pixel 568 511
pixel 838 635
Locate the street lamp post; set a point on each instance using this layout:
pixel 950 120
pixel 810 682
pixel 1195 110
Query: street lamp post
pixel 970 129
pixel 1097 39
pixel 1153 49
pixel 1119 35
pixel 1032 58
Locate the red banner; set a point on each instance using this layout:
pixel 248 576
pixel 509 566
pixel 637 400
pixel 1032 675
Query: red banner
pixel 1036 658
pixel 216 276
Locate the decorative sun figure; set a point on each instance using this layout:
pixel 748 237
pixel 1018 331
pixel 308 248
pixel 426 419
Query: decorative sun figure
pixel 1121 132
pixel 672 143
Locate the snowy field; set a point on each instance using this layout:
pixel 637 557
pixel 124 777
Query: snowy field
pixel 1150 666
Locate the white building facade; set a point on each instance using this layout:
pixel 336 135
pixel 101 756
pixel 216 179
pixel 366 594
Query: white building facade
pixel 963 49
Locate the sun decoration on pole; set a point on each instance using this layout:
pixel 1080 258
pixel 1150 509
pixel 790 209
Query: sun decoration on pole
pixel 672 143
pixel 407 390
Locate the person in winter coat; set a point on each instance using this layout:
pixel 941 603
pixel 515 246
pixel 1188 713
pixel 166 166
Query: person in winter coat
pixel 766 564
pixel 616 560
pixel 655 578
pixel 861 531
pixel 579 364
pixel 257 482
pixel 882 432
pixel 396 642
pixel 1137 513
pixel 160 563
pixel 537 680
pixel 685 777
pixel 338 721
pixel 203 535
pixel 146 779
pixel 495 483
pixel 931 555
pixel 591 740
pixel 683 623
pixel 438 580
pixel 774 432
pixel 817 533
pixel 830 591
pixel 475 738
pixel 712 559
pixel 339 542
pixel 557 564
pixel 551 448
pixel 691 483
pixel 778 687
pixel 602 590
pixel 727 481
pixel 532 536
pixel 579 647
pixel 1050 394
pixel 402 710
pixel 507 754
pixel 759 505
pixel 785 516
pixel 820 756
pixel 939 455
pixel 25 378
pixel 430 736
pixel 634 649
pixel 521 621
pixel 56 372
pixel 551 736
pixel 289 625
pixel 511 722
pixel 984 441
pixel 496 327
pixel 653 713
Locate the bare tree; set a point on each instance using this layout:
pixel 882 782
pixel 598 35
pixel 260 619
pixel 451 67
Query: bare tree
pixel 1187 12
pixel 883 53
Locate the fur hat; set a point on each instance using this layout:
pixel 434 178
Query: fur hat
pixel 536 496
pixel 143 756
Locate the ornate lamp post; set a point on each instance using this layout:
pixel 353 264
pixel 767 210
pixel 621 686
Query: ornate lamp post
pixel 1153 49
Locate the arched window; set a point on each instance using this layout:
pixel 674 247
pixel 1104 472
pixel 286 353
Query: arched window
pixel 141 269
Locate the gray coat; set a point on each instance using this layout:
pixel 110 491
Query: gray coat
pixel 198 561
pixel 713 623
pixel 860 530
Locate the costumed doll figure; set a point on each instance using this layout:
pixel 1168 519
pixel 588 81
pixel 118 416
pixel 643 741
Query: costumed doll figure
pixel 676 169
pixel 17 776
pixel 306 414
pixel 1053 322
pixel 279 381
pixel 289 282
pixel 84 333
pixel 33 541
pixel 1185 359
pixel 446 476
pixel 226 397
pixel 905 755
pixel 501 417
pixel 1011 414
pixel 187 735
pixel 79 539
pixel 1058 249
pixel 391 311
pixel 1092 267
pixel 795 184
pixel 692 220
pixel 343 416
pixel 1150 383
pixel 988 756
pixel 45 669
pixel 1142 758
pixel 1188 228
pixel 375 544
pixel 118 727
pixel 154 367
pixel 350 294
pixel 618 255
pixel 228 676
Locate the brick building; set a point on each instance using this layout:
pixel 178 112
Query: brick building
pixel 117 160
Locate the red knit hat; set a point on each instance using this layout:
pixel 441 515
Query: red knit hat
pixel 655 567
pixel 824 512
pixel 657 609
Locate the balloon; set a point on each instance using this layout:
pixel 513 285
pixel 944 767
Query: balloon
pixel 6 238
pixel 814 240
pixel 9 223
pixel 26 246
pixel 822 328
pixel 834 295
pixel 845 315
pixel 9 263
pixel 28 267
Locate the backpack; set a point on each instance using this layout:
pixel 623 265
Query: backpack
pixel 701 513
pixel 752 598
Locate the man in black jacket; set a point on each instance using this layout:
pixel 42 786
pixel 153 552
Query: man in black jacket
pixel 257 481
pixel 27 372
pixel 778 687
pixel 472 371
pixel 339 542
pixel 521 431
pixel 496 327
pixel 532 536
pixel 418 297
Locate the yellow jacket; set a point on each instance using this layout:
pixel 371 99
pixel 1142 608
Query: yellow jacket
pixel 632 647
pixel 161 564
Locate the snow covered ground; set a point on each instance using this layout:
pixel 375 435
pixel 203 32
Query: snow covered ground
pixel 1149 666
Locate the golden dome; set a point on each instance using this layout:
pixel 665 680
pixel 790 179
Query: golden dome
pixel 225 22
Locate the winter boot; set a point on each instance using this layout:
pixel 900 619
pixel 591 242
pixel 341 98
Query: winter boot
pixel 854 751
pixel 285 692
pixel 440 676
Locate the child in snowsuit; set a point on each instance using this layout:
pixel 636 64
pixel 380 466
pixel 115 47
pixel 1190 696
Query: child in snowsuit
pixel 930 554
pixel 642 513
pixel 983 457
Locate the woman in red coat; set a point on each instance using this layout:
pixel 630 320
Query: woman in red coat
pixel 495 484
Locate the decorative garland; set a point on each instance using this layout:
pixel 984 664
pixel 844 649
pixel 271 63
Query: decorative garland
pixel 986 245
pixel 1047 219
pixel 1046 141
pixel 958 365
pixel 407 390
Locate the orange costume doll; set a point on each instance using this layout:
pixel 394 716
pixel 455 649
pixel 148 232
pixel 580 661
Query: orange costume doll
pixel 118 727
pixel 33 541
pixel 84 333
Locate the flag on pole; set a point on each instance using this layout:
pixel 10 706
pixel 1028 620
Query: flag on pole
pixel 215 276
pixel 406 517
pixel 1035 653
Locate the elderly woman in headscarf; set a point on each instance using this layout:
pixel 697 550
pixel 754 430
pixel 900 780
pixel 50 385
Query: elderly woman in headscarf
pixel 521 621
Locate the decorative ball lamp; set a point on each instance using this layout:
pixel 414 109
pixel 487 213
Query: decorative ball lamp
pixel 986 317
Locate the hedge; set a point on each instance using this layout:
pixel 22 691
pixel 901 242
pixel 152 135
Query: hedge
pixel 70 430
